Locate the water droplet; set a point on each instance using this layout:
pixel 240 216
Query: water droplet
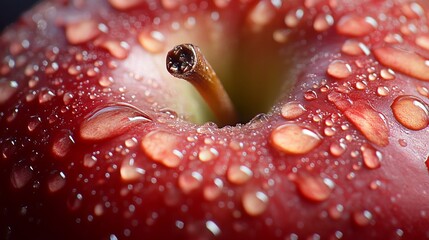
pixel 370 123
pixel 313 187
pixel 371 157
pixel 292 110
pixel 339 100
pixel 89 160
pixel 323 22
pixel 239 174
pixel 46 95
pixel 335 212
pixel 393 38
pixel 7 90
pixel 106 81
pixel 281 35
pixel 213 190
pixel 118 49
pixel 154 41
pixel 221 3
pixel 111 121
pixel 261 15
pixel 20 176
pixel 412 10
pixel 355 48
pixel 339 69
pixel 293 17
pixel 294 139
pixel 82 32
pixel 362 218
pixel 74 202
pixel 255 202
pixel 382 91
pixel 130 172
pixel 62 144
pixel 207 154
pixel 57 182
pixel 356 26
pixel 123 5
pixel 411 112
pixel 34 123
pixel 387 74
pixel 213 228
pixel 310 95
pixel 337 149
pixel 161 146
pixel 408 63
pixel 190 181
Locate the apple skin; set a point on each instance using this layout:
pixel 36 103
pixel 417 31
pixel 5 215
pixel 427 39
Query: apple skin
pixel 97 142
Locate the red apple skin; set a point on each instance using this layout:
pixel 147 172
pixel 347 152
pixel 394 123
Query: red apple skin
pixel 153 179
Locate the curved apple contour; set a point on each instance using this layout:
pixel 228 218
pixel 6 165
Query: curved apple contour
pixel 98 141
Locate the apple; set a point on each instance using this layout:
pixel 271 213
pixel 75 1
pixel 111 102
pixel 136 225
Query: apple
pixel 295 120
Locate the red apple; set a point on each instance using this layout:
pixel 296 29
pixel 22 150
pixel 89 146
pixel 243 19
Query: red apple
pixel 99 141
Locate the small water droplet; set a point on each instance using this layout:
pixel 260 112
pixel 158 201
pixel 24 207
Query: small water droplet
pixel 118 49
pixel 213 228
pixel 412 10
pixel 339 69
pixel 292 110
pixel 387 74
pixel 411 112
pixel 424 91
pixel 310 95
pixel 154 41
pixel 294 17
pixel 323 22
pixel 423 41
pixel 408 63
pixel 239 174
pixel 7 90
pixel 261 15
pixel 362 218
pixel 190 181
pixel 123 5
pixel 356 26
pixel 313 187
pixel 20 176
pixel 335 212
pixel 34 123
pixel 82 32
pixel 402 142
pixel 255 202
pixel 337 149
pixel 371 157
pixel 371 123
pixel 161 146
pixel 74 202
pixel 213 190
pixel 46 95
pixel 111 121
pixel 382 91
pixel 130 172
pixel 106 81
pixel 89 160
pixel 294 139
pixel 207 154
pixel 56 182
pixel 355 48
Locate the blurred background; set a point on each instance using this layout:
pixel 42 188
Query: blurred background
pixel 11 9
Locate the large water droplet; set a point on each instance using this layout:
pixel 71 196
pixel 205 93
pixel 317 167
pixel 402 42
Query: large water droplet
pixel 255 202
pixel 161 146
pixel 371 123
pixel 356 26
pixel 111 121
pixel 7 90
pixel 295 139
pixel 313 187
pixel 339 69
pixel 292 110
pixel 82 32
pixel 408 63
pixel 411 112
pixel 371 157
pixel 239 174
pixel 355 48
pixel 20 176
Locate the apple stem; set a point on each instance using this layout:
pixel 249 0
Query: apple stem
pixel 187 62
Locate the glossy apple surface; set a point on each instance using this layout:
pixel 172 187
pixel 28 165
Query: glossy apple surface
pixel 98 141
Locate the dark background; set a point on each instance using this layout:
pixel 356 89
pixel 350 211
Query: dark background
pixel 11 9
